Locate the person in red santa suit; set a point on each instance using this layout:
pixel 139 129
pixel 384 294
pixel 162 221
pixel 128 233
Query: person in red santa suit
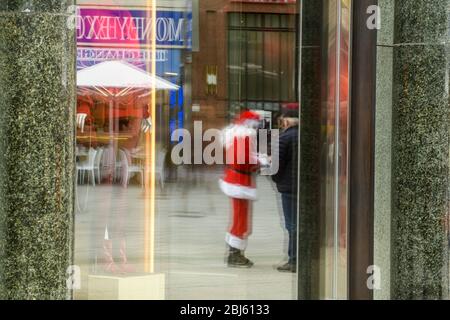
pixel 238 183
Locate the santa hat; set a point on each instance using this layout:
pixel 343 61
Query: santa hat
pixel 247 117
pixel 243 126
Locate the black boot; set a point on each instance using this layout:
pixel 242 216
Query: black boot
pixel 288 267
pixel 236 259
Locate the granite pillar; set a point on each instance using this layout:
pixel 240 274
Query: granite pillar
pixel 420 146
pixel 37 103
pixel 383 149
pixel 310 150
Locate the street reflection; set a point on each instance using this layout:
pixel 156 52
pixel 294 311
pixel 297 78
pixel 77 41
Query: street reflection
pixel 148 227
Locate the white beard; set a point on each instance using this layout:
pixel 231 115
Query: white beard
pixel 236 131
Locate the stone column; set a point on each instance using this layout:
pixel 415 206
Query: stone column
pixel 420 160
pixel 383 149
pixel 37 103
pixel 311 48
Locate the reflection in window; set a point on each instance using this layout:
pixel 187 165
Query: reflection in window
pixel 261 50
pixel 146 226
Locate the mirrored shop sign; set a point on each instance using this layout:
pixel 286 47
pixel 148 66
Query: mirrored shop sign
pixel 124 33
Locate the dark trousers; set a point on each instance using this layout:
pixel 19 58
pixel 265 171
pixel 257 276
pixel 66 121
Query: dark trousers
pixel 289 204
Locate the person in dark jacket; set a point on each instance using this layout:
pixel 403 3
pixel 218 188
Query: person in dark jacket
pixel 286 179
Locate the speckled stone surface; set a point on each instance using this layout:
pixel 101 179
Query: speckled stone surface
pixel 423 21
pixel 420 151
pixel 310 154
pixel 383 147
pixel 37 103
pixel 49 6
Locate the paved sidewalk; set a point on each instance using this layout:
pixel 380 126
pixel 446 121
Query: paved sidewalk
pixel 192 216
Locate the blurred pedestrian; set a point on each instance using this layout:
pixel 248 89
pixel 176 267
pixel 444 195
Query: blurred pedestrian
pixel 286 179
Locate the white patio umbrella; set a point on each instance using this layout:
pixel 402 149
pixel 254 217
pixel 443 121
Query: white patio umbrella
pixel 120 74
pixel 106 77
pixel 117 74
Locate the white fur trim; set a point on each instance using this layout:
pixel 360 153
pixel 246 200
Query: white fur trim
pixel 235 242
pixel 236 131
pixel 251 124
pixel 238 191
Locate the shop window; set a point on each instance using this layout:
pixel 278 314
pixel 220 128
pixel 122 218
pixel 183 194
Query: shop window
pixel 261 51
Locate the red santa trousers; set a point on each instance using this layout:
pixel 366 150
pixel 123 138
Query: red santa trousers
pixel 240 228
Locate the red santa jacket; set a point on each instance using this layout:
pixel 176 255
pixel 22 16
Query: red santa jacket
pixel 241 163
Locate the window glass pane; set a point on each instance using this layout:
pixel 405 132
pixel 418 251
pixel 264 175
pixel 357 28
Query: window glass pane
pixel 235 19
pixel 254 65
pixel 254 20
pixel 272 21
pixel 236 67
pixel 286 71
pixel 286 21
pixel 153 200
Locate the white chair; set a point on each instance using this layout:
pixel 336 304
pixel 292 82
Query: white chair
pixel 88 165
pixel 159 166
pixel 108 166
pixel 81 120
pixel 97 164
pixel 128 169
pixel 118 165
